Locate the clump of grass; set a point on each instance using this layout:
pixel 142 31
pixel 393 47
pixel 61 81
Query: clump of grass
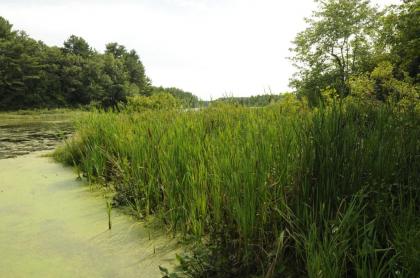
pixel 273 191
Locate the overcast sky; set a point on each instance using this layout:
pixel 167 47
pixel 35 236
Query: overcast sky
pixel 211 48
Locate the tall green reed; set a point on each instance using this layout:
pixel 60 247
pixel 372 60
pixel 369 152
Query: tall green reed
pixel 269 191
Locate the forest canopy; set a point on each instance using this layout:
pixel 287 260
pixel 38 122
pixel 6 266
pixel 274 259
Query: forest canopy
pixel 34 75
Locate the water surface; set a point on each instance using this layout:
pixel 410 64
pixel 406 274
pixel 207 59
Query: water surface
pixel 52 225
pixel 23 136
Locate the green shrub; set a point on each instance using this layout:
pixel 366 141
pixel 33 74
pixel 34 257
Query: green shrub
pixel 161 101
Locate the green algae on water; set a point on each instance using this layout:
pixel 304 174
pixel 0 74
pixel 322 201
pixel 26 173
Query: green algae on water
pixel 52 226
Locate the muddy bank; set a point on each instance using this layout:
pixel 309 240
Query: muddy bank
pixel 53 226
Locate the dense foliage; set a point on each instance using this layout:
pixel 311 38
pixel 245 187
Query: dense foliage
pixel 34 75
pixel 349 44
pixel 186 99
pixel 157 101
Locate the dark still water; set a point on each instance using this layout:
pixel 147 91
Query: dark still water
pixel 23 137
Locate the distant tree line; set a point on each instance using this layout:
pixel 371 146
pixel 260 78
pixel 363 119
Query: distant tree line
pixel 34 75
pixel 352 49
pixel 252 101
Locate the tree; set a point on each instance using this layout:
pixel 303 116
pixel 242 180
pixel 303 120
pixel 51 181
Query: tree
pixel 136 72
pixel 400 38
pixel 115 49
pixel 33 74
pixel 158 101
pixel 20 66
pixel 133 66
pixel 186 99
pixel 115 81
pixel 5 29
pixel 78 46
pixel 336 45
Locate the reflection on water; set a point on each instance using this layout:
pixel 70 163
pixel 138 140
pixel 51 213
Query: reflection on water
pixel 19 138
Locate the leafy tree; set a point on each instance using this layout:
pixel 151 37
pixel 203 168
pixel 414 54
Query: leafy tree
pixel 118 51
pixel 395 77
pixel 5 29
pixel 187 99
pixel 115 80
pixel 136 72
pixel 19 72
pixel 400 39
pixel 78 46
pixel 133 66
pixel 159 101
pixel 336 45
pixel 51 59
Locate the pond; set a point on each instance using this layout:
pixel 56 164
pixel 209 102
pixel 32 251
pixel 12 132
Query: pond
pixel 23 136
pixel 53 225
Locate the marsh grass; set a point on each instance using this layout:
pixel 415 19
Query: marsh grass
pixel 273 191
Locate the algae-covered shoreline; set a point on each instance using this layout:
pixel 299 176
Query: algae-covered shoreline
pixel 52 226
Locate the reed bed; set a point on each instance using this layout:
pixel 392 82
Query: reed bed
pixel 274 191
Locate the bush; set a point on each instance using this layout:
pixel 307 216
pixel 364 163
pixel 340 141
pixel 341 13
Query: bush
pixel 161 101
